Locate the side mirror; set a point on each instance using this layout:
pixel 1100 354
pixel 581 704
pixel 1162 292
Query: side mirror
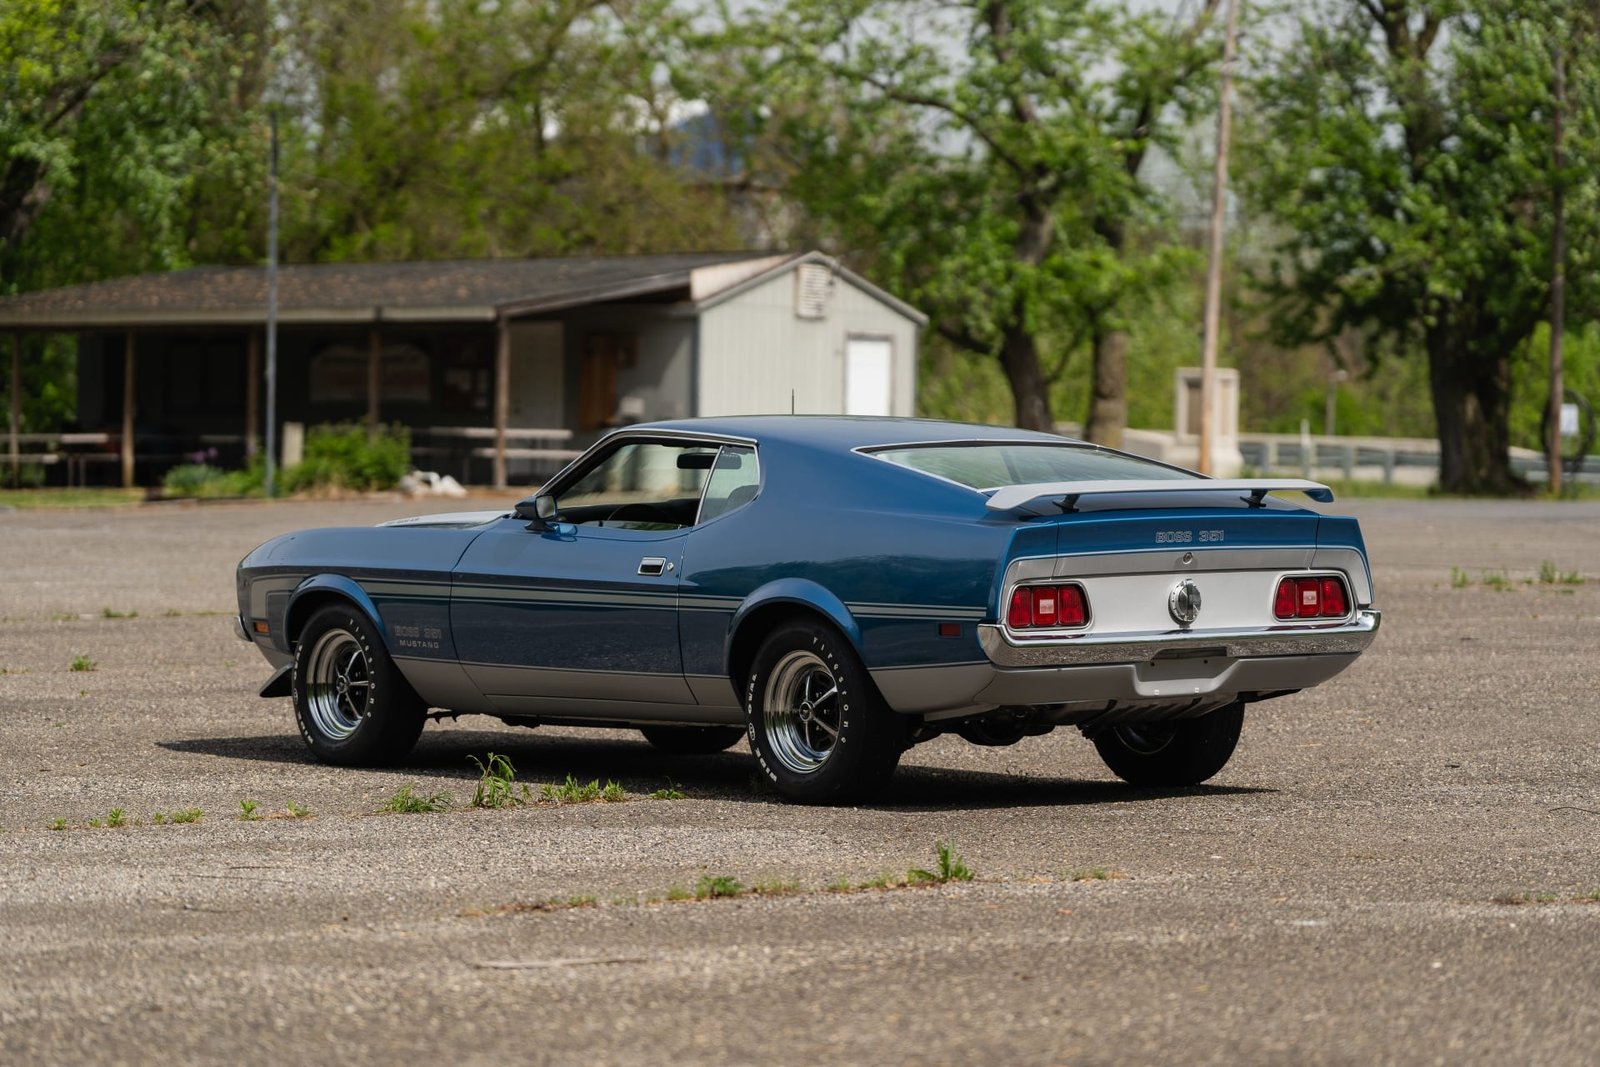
pixel 538 511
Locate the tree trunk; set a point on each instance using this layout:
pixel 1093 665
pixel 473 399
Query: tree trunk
pixel 1472 404
pixel 1108 402
pixel 1019 355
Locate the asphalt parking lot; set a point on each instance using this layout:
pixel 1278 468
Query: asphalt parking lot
pixel 1399 867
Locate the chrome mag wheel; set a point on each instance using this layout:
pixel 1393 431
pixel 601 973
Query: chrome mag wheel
pixel 338 684
pixel 801 712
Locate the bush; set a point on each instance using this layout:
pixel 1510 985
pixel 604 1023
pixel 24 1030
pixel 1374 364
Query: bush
pixel 342 457
pixel 205 481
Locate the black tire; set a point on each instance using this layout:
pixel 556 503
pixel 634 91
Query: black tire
pixel 354 707
pixel 841 743
pixel 1178 753
pixel 692 740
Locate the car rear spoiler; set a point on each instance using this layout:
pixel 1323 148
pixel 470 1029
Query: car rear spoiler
pixel 1065 495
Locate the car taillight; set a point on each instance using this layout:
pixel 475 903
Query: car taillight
pixel 1042 606
pixel 1311 598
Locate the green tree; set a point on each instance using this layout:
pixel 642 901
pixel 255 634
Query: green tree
pixel 438 128
pixel 1404 146
pixel 983 157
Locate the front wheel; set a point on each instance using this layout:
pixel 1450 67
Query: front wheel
pixel 818 728
pixel 1177 753
pixel 353 705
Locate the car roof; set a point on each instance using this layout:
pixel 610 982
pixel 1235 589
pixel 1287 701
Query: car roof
pixel 844 432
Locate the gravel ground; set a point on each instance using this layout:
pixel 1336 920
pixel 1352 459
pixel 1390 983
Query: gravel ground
pixel 1392 869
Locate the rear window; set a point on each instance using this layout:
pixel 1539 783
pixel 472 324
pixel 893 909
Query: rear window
pixel 989 466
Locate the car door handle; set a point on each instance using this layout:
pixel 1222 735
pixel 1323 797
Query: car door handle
pixel 652 565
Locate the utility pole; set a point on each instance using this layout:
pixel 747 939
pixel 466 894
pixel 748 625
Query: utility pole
pixel 1219 198
pixel 272 311
pixel 1558 279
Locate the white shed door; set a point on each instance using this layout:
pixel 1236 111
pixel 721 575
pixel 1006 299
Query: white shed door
pixel 866 376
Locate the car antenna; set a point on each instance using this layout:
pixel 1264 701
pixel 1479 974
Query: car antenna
pixel 791 401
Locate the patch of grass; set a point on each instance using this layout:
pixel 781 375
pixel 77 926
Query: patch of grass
pixel 949 867
pixel 247 811
pixel 116 817
pixel 172 613
pixel 95 824
pixel 1547 572
pixel 782 887
pixel 1459 579
pixel 186 815
pixel 1094 874
pixel 157 818
pixel 497 784
pixel 39 499
pixel 712 887
pixel 113 613
pixel 573 791
pixel 81 662
pixel 407 802
pixel 668 792
pixel 678 892
pixel 1498 582
pixel 295 811
pixel 58 824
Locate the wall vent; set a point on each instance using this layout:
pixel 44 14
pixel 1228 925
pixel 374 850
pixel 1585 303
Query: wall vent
pixel 813 284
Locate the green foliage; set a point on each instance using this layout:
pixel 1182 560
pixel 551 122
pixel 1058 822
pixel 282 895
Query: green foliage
pixel 343 456
pixel 711 887
pixel 58 824
pixel 668 792
pixel 1410 176
pixel 295 811
pixel 113 613
pixel 995 184
pixel 80 662
pixel 116 817
pixel 207 482
pixel 496 783
pixel 247 811
pixel 950 868
pixel 406 802
pixel 186 815
pixel 573 791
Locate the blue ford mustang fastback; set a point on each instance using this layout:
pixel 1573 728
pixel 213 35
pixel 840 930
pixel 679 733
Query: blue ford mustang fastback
pixel 837 590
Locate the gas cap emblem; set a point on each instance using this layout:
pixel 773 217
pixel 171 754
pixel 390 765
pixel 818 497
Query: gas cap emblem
pixel 1184 602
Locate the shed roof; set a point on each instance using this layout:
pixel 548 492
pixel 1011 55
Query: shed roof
pixel 475 290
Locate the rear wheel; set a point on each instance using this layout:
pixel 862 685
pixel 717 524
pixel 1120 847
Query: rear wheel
pixel 353 706
pixel 818 728
pixel 1176 753
pixel 692 740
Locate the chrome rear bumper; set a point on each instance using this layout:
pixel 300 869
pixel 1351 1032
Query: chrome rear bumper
pixel 1345 639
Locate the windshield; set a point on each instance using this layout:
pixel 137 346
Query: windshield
pixel 990 465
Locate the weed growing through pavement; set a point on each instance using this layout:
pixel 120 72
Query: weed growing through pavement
pixel 113 613
pixel 573 791
pixel 1094 874
pixel 949 868
pixel 669 792
pixel 497 784
pixel 186 815
pixel 407 802
pixel 295 811
pixel 247 811
pixel 1498 582
pixel 59 824
pixel 677 892
pixel 116 817
pixel 1459 578
pixel 80 662
pixel 711 887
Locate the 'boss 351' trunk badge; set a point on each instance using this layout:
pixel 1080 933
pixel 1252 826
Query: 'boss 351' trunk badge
pixel 1184 602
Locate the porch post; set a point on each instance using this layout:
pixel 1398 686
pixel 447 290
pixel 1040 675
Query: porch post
pixel 128 393
pixel 374 356
pixel 16 408
pixel 502 396
pixel 252 393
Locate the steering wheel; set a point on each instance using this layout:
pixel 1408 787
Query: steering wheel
pixel 642 513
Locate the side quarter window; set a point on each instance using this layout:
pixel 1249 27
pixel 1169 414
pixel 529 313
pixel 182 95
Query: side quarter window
pixel 735 480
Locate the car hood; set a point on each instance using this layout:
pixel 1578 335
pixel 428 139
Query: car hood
pixel 454 520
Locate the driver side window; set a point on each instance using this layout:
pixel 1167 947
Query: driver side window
pixel 647 485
